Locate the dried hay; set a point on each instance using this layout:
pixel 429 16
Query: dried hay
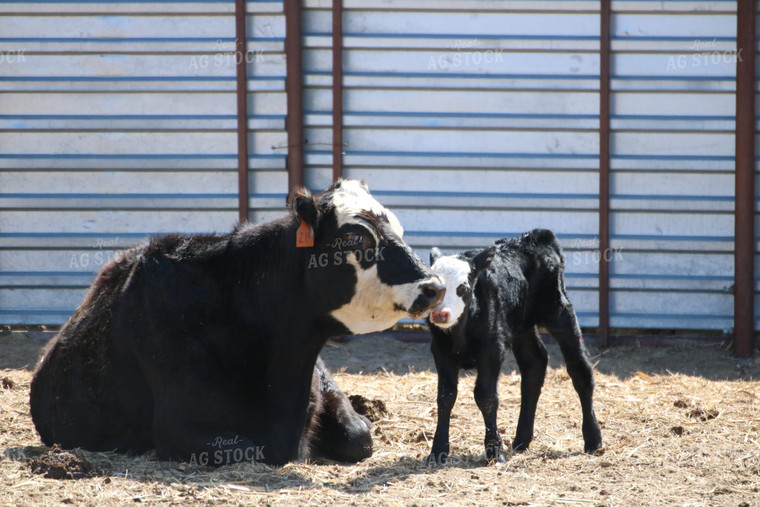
pixel 670 438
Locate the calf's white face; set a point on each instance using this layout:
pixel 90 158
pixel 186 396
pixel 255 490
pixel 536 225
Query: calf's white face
pixel 456 276
pixel 459 273
pixel 393 282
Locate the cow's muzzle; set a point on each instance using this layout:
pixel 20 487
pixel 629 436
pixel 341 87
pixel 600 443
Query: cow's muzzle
pixel 431 295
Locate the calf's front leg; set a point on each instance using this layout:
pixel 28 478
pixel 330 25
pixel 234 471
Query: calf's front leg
pixel 448 380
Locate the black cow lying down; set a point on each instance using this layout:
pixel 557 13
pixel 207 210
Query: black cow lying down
pixel 204 347
pixel 495 298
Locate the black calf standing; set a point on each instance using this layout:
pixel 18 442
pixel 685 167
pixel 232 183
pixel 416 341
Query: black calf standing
pixel 495 298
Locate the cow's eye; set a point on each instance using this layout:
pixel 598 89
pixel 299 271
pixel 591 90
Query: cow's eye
pixel 463 290
pixel 354 239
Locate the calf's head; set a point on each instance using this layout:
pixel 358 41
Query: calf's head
pixel 459 274
pixel 358 265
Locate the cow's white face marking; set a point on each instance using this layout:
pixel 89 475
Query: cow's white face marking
pixel 352 198
pixel 456 276
pixel 375 305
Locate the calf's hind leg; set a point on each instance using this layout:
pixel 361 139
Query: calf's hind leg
pixel 532 359
pixel 563 326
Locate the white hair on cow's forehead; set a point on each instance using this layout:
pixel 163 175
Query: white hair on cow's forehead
pixel 352 198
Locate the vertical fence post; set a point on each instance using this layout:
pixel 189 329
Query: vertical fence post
pixel 337 90
pixel 744 208
pixel 242 108
pixel 604 173
pixel 294 91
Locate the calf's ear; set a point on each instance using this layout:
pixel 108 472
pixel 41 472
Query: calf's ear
pixel 304 206
pixel 435 253
pixel 483 259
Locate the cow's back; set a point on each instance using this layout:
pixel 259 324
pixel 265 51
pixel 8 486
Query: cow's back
pixel 73 392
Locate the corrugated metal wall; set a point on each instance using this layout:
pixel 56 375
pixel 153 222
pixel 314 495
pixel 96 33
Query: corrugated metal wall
pixel 672 160
pixel 267 109
pixel 471 119
pixel 118 121
pixel 479 119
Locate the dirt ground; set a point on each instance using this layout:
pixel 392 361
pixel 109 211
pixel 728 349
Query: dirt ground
pixel 681 427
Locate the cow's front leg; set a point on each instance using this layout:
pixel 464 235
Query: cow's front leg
pixel 448 379
pixel 487 399
pixel 334 430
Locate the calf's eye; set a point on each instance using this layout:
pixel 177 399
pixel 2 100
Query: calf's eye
pixel 463 291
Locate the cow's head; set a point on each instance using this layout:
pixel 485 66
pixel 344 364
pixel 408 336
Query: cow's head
pixel 459 274
pixel 359 265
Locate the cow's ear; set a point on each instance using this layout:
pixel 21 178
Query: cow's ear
pixel 483 259
pixel 435 254
pixel 304 206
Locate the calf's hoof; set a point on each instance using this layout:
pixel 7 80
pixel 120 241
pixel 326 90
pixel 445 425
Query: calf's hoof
pixel 590 447
pixel 519 446
pixel 592 436
pixel 437 458
pixel 495 455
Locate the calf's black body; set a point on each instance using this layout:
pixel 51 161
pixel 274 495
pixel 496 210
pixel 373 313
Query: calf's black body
pixel 510 288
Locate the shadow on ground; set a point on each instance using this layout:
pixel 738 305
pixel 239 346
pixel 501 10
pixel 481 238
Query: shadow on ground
pixel 78 464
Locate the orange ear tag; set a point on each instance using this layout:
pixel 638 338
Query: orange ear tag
pixel 305 235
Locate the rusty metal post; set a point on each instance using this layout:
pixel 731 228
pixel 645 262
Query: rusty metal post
pixel 294 91
pixel 337 91
pixel 744 211
pixel 242 108
pixel 604 174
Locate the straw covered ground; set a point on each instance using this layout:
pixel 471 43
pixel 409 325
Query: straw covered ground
pixel 681 427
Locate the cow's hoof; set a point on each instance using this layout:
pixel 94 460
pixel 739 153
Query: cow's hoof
pixel 435 459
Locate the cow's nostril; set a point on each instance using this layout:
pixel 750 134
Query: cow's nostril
pixel 433 291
